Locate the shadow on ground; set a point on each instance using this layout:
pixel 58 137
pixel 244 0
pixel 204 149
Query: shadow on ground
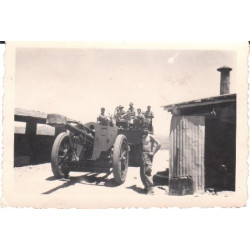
pixel 143 191
pixel 86 179
pixel 51 178
pixel 137 189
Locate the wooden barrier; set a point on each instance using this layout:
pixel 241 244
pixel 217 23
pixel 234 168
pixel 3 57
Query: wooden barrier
pixel 34 144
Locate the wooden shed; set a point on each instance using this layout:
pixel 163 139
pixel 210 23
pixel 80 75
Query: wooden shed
pixel 203 143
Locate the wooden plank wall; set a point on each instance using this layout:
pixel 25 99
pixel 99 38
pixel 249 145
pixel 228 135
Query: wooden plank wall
pixel 187 139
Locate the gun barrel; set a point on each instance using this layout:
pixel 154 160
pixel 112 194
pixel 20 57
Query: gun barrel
pixel 57 120
pixel 89 137
pixel 81 125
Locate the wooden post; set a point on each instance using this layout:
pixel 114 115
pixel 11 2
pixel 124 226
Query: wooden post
pixel 30 128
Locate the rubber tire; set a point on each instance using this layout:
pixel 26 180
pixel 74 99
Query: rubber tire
pixel 117 172
pixel 54 156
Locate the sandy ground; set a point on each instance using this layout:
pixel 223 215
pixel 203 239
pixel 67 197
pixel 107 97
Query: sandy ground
pixel 36 186
pixel 39 180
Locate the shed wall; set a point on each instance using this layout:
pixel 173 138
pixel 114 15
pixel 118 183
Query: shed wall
pixel 187 138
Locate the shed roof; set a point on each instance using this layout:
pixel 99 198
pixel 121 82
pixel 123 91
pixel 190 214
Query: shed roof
pixel 202 102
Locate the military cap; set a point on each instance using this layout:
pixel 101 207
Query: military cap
pixel 131 103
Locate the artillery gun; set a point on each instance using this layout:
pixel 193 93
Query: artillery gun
pixel 89 147
pixel 94 147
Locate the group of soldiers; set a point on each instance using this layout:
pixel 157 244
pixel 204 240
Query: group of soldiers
pixel 121 114
pixel 150 144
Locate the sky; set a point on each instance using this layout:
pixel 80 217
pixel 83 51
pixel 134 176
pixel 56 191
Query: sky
pixel 78 82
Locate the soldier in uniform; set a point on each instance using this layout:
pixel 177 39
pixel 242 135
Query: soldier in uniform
pixel 130 112
pixel 150 146
pixel 116 112
pixel 102 118
pixel 138 119
pixel 131 109
pixel 149 115
pixel 119 113
pixel 139 115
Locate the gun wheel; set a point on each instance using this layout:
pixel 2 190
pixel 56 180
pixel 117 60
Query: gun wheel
pixel 120 159
pixel 60 156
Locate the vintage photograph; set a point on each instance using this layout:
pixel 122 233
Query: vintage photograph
pixel 95 125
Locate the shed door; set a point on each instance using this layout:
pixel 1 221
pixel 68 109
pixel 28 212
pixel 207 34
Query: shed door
pixel 187 138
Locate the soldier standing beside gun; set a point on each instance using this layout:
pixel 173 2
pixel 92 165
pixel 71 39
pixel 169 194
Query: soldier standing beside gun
pixel 150 146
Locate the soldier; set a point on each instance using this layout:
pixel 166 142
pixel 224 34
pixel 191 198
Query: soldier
pixel 131 109
pixel 102 118
pixel 139 115
pixel 138 119
pixel 130 112
pixel 149 115
pixel 119 113
pixel 150 146
pixel 116 112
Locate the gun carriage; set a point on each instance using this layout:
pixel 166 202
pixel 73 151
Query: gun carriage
pixel 88 147
pixel 93 147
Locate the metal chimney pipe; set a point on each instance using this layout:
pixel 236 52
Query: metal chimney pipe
pixel 224 80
